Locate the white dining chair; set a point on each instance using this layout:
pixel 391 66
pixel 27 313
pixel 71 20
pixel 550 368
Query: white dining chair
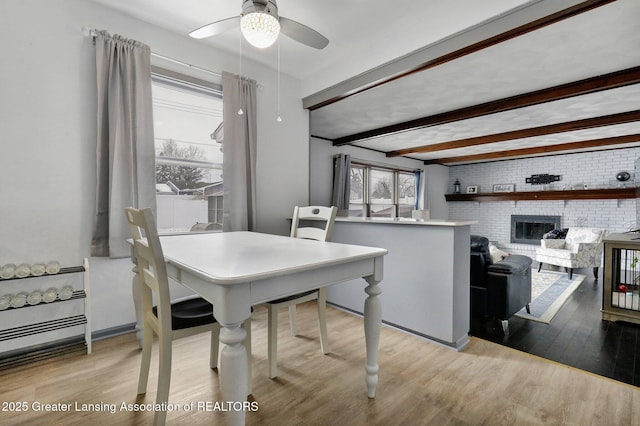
pixel 324 217
pixel 169 320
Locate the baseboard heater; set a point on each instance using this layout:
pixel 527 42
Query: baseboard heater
pixel 50 350
pixel 42 352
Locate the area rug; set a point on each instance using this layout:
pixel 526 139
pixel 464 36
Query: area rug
pixel 549 291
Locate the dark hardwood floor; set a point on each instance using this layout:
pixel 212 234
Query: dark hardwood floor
pixel 577 336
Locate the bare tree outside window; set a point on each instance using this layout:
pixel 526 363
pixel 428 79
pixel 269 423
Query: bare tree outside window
pixel 381 193
pixel 189 190
pixel 357 185
pixel 383 188
pixel 357 195
pixel 183 177
pixel 406 188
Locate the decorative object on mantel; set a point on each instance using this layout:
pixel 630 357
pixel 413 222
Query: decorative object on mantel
pixel 542 179
pixel 456 187
pixel 622 180
pixel 623 176
pixel 472 189
pixel 504 187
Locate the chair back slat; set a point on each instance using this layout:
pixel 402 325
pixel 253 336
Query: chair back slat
pixel 152 270
pixel 150 279
pixel 143 251
pixel 313 213
pixel 311 233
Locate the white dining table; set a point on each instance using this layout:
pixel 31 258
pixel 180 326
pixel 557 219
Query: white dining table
pixel 236 270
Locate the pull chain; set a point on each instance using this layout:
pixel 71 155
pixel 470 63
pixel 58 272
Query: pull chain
pixel 240 111
pixel 279 118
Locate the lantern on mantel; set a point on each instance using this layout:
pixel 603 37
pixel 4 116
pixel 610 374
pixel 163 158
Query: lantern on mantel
pixel 456 187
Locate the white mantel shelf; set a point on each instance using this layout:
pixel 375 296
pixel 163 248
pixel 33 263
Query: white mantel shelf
pixel 406 221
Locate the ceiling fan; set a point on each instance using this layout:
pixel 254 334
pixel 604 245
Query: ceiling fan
pixel 260 25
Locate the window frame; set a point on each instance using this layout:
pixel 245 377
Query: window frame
pixel 366 196
pixel 182 81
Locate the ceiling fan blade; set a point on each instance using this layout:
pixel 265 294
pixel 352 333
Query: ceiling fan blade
pixel 216 28
pixel 303 34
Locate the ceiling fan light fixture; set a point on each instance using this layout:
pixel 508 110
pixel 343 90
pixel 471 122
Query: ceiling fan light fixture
pixel 260 29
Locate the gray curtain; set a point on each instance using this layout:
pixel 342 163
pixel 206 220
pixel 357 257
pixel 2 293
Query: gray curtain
pixel 341 183
pixel 125 151
pixel 421 190
pixel 637 183
pixel 240 152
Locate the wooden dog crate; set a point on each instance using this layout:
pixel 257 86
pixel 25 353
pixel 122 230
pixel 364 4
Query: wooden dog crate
pixel 621 295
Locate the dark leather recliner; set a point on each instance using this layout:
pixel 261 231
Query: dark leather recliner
pixel 501 289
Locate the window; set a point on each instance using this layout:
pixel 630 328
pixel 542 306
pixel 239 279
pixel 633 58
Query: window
pixel 381 192
pixel 187 116
pixel 406 193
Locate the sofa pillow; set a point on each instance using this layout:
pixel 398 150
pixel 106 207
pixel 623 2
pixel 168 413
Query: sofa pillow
pixel 496 254
pixel 556 234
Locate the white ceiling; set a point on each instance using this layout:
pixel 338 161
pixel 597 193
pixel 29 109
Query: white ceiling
pixel 597 42
pixel 366 34
pixel 362 33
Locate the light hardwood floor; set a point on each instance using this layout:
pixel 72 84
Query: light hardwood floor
pixel 420 383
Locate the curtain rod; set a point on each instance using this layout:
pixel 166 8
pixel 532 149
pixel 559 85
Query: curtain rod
pixel 93 33
pixel 379 164
pixel 184 64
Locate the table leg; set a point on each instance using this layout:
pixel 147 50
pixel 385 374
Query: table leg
pixel 234 370
pixel 372 321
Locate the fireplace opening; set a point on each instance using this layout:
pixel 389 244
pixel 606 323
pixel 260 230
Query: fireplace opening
pixel 530 229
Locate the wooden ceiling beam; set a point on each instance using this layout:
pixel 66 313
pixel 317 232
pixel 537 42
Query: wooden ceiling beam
pixel 582 87
pixel 569 12
pixel 547 149
pixel 567 126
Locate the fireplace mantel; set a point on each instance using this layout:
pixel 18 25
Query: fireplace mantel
pixel 579 194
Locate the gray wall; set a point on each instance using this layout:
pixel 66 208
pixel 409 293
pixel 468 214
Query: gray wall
pixel 437 184
pixel 47 166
